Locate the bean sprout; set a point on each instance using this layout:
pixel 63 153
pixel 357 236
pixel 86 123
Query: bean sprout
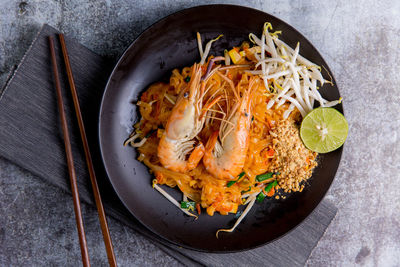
pixel 286 63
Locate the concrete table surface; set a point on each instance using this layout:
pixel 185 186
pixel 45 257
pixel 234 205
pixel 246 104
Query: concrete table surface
pixel 360 41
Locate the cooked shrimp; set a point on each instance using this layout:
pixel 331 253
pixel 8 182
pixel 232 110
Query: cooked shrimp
pixel 183 125
pixel 225 158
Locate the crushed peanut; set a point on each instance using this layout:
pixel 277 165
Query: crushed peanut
pixel 289 156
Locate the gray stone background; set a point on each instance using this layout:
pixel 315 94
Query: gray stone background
pixel 360 40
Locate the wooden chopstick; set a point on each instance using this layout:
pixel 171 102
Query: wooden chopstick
pixel 70 161
pixel 96 192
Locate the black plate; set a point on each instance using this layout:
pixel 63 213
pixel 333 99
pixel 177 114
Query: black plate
pixel 168 44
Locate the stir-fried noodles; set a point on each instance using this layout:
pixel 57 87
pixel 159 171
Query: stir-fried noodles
pixel 227 135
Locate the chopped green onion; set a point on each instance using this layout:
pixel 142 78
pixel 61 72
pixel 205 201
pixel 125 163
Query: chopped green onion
pixel 270 185
pixel 187 79
pixel 150 133
pixel 260 197
pixel 233 182
pixel 237 215
pixel 265 176
pixel 230 183
pixel 188 205
pixel 248 190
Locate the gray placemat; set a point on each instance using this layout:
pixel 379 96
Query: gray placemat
pixel 30 136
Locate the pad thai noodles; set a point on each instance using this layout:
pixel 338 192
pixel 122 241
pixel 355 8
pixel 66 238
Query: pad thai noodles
pixel 225 130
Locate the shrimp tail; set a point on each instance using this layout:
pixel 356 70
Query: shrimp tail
pixel 195 157
pixel 212 141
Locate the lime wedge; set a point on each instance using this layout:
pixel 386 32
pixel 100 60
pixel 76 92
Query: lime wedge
pixel 324 130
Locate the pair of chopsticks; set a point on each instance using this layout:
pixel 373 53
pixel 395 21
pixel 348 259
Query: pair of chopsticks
pixel 70 161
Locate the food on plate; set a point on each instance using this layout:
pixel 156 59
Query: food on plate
pixel 184 123
pixel 225 131
pixel 324 130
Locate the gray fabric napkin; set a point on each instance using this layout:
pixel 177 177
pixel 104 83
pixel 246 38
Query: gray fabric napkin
pixel 30 136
